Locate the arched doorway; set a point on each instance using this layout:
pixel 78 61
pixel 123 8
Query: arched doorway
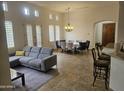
pixel 105 33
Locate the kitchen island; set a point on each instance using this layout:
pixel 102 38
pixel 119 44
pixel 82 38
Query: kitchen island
pixel 116 81
pixel 117 72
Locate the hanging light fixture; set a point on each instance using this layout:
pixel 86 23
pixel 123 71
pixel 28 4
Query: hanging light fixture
pixel 68 27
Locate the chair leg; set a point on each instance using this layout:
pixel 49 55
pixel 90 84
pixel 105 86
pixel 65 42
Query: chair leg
pixel 94 74
pixel 94 80
pixel 62 50
pixel 106 78
pixel 56 66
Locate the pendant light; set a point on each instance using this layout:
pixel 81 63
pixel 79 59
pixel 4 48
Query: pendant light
pixel 68 27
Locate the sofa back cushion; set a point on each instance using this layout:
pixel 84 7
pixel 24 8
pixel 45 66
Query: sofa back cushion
pixel 45 52
pixel 34 52
pixel 27 50
pixel 41 56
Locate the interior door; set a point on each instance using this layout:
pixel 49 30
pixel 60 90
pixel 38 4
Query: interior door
pixel 108 33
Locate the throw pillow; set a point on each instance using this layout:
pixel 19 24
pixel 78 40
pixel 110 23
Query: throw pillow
pixel 19 53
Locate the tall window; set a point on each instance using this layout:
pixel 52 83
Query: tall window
pixel 29 35
pixel 5 7
pixel 54 34
pixel 57 18
pixel 36 13
pixel 26 11
pixel 9 34
pixel 51 33
pixel 50 16
pixel 38 35
pixel 57 32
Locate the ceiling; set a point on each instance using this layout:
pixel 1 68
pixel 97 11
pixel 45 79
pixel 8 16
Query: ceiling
pixel 61 6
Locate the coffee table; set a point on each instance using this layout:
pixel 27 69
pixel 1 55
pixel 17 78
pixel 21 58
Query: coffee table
pixel 16 75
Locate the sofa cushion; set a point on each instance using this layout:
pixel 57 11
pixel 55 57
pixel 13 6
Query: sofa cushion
pixel 43 55
pixel 14 58
pixel 27 53
pixel 25 60
pixel 35 55
pixel 19 53
pixel 35 49
pixel 46 51
pixel 34 52
pixel 35 62
pixel 27 50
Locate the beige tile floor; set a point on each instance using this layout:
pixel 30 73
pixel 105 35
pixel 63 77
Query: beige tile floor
pixel 74 74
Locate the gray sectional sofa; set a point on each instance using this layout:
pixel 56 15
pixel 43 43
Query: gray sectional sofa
pixel 35 57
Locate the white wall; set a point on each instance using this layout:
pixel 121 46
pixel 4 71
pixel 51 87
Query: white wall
pixel 84 22
pixel 16 15
pixel 98 33
pixel 120 29
pixel 121 23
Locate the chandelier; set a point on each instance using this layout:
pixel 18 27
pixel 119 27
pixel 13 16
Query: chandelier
pixel 68 27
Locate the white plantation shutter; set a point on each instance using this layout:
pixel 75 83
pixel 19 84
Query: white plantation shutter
pixel 51 33
pixel 26 11
pixel 38 35
pixel 50 16
pixel 9 34
pixel 57 18
pixel 5 7
pixel 36 13
pixel 29 35
pixel 57 32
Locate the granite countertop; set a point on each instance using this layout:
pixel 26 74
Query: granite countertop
pixel 113 53
pixel 118 55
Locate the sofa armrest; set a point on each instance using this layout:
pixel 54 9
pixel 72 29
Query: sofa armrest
pixel 48 62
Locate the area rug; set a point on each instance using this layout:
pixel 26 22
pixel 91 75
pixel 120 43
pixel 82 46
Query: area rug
pixel 33 79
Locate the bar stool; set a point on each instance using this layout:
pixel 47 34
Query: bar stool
pixel 100 69
pixel 102 56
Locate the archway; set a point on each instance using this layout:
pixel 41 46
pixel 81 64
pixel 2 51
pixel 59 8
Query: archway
pixel 105 33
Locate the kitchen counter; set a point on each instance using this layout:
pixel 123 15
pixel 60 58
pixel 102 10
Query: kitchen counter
pixel 116 69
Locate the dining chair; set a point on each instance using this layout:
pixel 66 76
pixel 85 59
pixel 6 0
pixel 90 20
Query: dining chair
pixel 82 46
pixel 63 46
pixel 70 47
pixel 87 44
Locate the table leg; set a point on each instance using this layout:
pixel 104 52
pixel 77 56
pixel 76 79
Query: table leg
pixel 23 80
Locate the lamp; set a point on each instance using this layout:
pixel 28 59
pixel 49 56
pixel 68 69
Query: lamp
pixel 68 27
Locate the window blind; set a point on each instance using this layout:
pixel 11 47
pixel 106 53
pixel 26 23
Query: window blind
pixel 29 35
pixel 51 33
pixel 9 34
pixel 57 32
pixel 38 35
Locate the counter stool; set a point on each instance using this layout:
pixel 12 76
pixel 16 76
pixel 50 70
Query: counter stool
pixel 102 56
pixel 100 69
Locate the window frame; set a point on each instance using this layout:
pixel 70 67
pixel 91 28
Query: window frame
pixel 51 33
pixel 57 18
pixel 5 6
pixel 10 43
pixel 54 34
pixel 29 38
pixel 37 34
pixel 50 16
pixel 36 13
pixel 26 11
pixel 57 32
